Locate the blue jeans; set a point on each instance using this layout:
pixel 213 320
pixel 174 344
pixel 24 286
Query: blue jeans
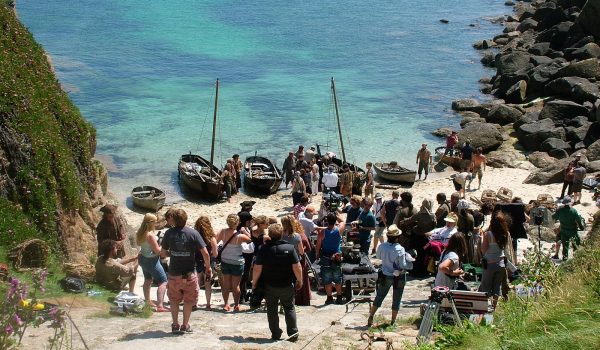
pixel 383 287
pixel 152 269
pixel 331 274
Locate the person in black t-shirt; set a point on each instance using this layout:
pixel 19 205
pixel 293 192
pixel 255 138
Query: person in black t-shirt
pixel 277 268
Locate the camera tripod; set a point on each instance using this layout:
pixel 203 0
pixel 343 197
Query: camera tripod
pixel 432 311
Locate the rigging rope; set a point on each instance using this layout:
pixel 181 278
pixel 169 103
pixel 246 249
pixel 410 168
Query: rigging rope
pixel 208 105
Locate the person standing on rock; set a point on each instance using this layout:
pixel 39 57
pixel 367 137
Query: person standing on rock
pixel 288 168
pixel 424 160
pixel 477 166
pixel 278 272
pixel 111 227
pixel 181 243
pixel 451 142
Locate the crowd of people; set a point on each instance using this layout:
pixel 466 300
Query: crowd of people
pixel 256 258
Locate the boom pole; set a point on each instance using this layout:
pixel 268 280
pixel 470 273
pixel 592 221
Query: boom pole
pixel 337 116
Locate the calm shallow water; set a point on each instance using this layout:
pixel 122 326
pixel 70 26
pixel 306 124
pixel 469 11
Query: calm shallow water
pixel 143 73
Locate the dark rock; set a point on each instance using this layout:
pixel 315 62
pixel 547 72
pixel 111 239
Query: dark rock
pixel 504 82
pixel 579 145
pixel 539 76
pixel 539 60
pixel 486 88
pixel 464 104
pixel 531 135
pixel 478 45
pixel 558 153
pixel 503 114
pixel 509 3
pixel 593 151
pixel 469 114
pixel 552 18
pixel 560 111
pixel 591 50
pixel 484 135
pixel 442 132
pixel 561 33
pixel 512 62
pixel 589 68
pixel 573 88
pixel 527 24
pixel 497 20
pixel 553 143
pixel 593 134
pixel 539 49
pixel 510 27
pixel 485 80
pixel 443 20
pixel 517 93
pixel 528 117
pixel 553 173
pixel 540 159
pixel 488 59
pixel 576 135
pixel 597 110
pixel 588 18
pixel 502 41
pixel 579 121
pixel 544 9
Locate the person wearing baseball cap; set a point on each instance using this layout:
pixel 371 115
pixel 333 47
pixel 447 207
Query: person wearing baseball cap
pixel 394 264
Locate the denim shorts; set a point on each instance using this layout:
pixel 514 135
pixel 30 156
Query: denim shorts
pixel 152 269
pixel 331 274
pixel 233 270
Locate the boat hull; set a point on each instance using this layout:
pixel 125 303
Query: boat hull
pixel 148 197
pixel 401 175
pixel 261 175
pixel 193 171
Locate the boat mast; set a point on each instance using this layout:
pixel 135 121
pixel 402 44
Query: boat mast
pixel 337 116
pixel 214 131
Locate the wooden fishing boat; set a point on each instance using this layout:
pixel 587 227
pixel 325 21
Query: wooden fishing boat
pixel 261 175
pixel 148 197
pixel 338 163
pixel 456 162
pixel 202 175
pixel 393 172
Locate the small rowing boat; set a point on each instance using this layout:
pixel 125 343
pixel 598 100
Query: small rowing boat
pixel 148 197
pixel 261 175
pixel 393 172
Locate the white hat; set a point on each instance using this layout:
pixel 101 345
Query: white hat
pixel 462 204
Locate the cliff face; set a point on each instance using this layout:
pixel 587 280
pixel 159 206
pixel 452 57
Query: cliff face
pixel 49 183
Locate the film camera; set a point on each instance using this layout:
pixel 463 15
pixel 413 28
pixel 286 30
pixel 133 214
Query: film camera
pixel 538 216
pixel 332 201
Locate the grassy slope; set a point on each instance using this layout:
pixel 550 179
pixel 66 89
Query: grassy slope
pixel 49 130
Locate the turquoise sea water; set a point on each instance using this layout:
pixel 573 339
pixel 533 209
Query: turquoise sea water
pixel 143 73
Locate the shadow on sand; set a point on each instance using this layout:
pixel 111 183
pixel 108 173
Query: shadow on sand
pixel 246 340
pixel 147 335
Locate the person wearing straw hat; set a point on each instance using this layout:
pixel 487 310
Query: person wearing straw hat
pixel 570 223
pixel 394 264
pixel 443 234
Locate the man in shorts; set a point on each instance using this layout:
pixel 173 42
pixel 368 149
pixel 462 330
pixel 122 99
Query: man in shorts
pixel 181 243
pixel 477 166
pixel 578 176
pixel 328 248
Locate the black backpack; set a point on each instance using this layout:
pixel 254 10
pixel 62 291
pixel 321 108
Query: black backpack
pixel 72 284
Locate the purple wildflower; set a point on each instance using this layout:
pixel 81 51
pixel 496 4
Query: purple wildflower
pixel 18 321
pixel 8 330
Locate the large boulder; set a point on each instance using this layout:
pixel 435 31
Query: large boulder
pixel 593 166
pixel 503 114
pixel 540 159
pixel 589 68
pixel 528 117
pixel 484 135
pixel 527 24
pixel 488 59
pixel 590 50
pixel 442 132
pixel 574 88
pixel 465 104
pixel 588 18
pixel 561 111
pixel 577 134
pixel 539 49
pixel 553 143
pixel 517 93
pixel 553 173
pixel 512 62
pixel 540 76
pixel 531 135
pixel 593 151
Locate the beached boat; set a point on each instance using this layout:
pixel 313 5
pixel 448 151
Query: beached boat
pixel 202 175
pixel 393 172
pixel 148 197
pixel 456 162
pixel 261 175
pixel 337 162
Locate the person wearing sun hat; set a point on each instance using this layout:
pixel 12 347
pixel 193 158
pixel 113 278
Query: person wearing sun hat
pixel 443 234
pixel 377 209
pixel 394 264
pixel 570 222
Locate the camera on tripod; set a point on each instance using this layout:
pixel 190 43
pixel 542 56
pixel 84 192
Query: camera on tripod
pixel 332 201
pixel 538 216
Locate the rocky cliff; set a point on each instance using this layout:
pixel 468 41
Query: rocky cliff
pixel 50 185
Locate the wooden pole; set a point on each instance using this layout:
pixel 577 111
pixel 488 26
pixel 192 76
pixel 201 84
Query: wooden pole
pixel 337 116
pixel 214 131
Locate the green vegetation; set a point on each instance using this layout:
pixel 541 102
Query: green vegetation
pixel 565 316
pixel 48 146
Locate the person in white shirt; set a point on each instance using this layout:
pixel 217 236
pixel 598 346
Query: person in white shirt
pixel 330 179
pixel 309 226
pixel 443 234
pixel 377 211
